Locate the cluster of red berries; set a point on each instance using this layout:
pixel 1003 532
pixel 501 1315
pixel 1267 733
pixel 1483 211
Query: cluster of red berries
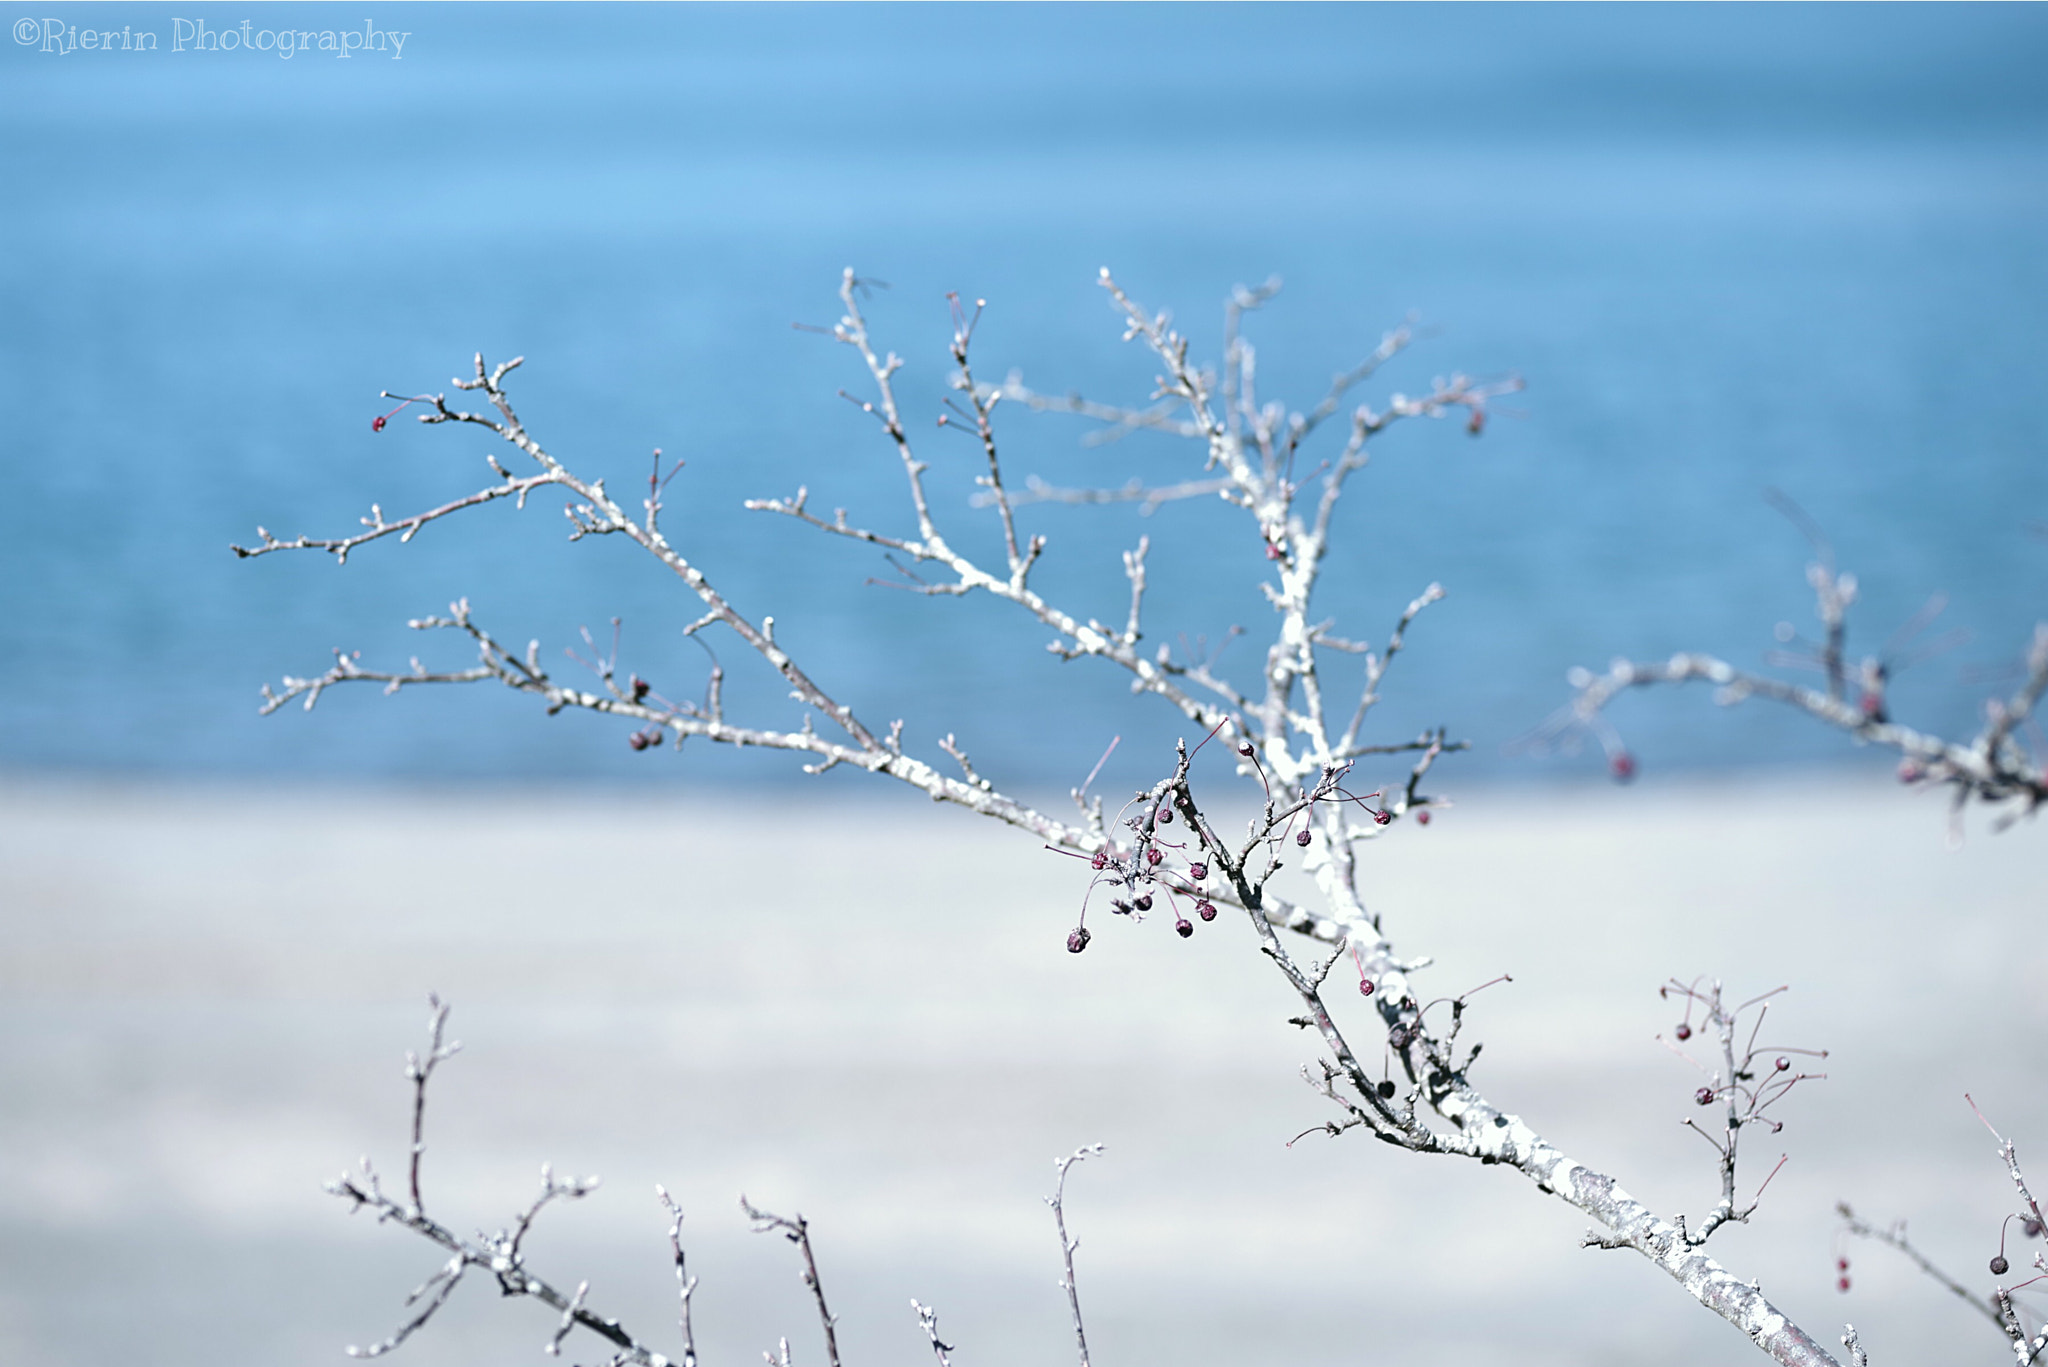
pixel 1144 863
pixel 1148 857
pixel 651 737
pixel 1841 1274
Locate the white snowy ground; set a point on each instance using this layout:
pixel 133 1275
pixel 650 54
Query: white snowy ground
pixel 864 1013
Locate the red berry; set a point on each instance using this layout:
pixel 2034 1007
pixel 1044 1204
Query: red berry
pixel 2030 1227
pixel 1245 749
pixel 1782 1064
pixel 1999 1266
pixel 1143 903
pixel 1684 1032
pixel 1272 551
pixel 1303 838
pixel 1183 926
pixel 1843 1284
pixel 1098 860
pixel 637 741
pixel 1422 817
pixel 1165 817
pixel 1476 424
pixel 1382 817
pixel 1153 856
pixel 640 688
pixel 377 424
pixel 1365 987
pixel 1622 766
pixel 1705 1096
pixel 1385 1088
pixel 1077 940
pixel 1205 909
pixel 1841 1264
pixel 1198 871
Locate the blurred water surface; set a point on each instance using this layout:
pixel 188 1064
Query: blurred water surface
pixel 1729 248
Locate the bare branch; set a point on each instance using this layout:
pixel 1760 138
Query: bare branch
pixel 417 1071
pixel 928 1320
pixel 435 1291
pixel 1148 499
pixel 1894 1236
pixel 1376 668
pixel 1120 421
pixel 1993 768
pixel 686 1284
pixel 1067 1243
pixel 406 527
pixel 798 1231
pixel 1282 736
pixel 1748 1083
pixel 500 1254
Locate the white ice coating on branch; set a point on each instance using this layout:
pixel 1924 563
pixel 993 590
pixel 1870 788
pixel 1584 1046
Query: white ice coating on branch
pixel 1284 734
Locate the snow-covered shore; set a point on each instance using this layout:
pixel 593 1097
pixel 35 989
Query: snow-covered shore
pixel 864 1012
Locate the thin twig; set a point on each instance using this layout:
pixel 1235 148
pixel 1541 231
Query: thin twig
pixel 1069 1244
pixel 798 1231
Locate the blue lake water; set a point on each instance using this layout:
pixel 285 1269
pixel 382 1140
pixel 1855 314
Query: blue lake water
pixel 1728 248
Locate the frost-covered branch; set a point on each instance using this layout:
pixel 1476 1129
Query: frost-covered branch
pixel 1994 767
pixel 1273 724
pixel 502 1255
pixel 499 1255
pixel 798 1231
pixel 1282 736
pixel 2006 1314
pixel 1068 1244
pixel 1433 1107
